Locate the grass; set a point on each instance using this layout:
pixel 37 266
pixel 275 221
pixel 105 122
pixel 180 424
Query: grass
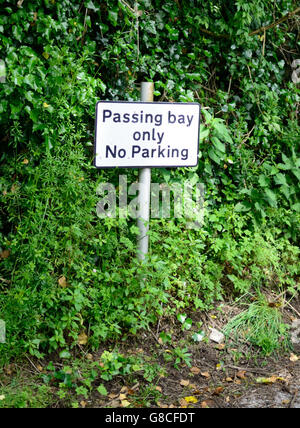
pixel 260 325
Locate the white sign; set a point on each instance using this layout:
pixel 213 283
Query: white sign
pixel 139 134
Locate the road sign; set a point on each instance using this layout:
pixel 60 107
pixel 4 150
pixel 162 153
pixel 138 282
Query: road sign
pixel 146 134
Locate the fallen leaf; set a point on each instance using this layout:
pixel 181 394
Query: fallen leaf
pixel 192 386
pixel 2 397
pixel 218 390
pixel 241 374
pixel 205 374
pixel 267 380
pixel 229 379
pixel 218 366
pixel 220 347
pixel 125 403
pixel 195 370
pixel 204 405
pixel 82 339
pixel 112 395
pixel 184 382
pixel 294 358
pixel 162 405
pixel 122 397
pixel 124 389
pixel 183 403
pixel 89 357
pixel 83 404
pixel 191 399
pixel 5 254
pixel 158 388
pixel 63 282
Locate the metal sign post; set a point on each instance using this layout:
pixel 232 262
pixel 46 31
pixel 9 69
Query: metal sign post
pixel 145 135
pixel 147 89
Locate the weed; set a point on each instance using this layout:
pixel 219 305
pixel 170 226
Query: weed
pixel 260 325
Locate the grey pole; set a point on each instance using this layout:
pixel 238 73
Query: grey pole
pixel 147 89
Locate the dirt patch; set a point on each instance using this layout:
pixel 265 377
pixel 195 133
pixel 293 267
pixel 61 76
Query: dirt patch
pixel 217 375
pixel 176 372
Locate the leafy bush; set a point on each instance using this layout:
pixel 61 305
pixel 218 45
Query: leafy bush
pixel 63 272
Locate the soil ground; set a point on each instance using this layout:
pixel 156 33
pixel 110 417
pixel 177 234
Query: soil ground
pixel 217 375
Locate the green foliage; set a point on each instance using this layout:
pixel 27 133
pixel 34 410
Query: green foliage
pixel 260 325
pixel 65 272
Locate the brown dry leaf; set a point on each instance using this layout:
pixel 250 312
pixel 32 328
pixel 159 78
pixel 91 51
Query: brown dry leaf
pixel 205 374
pixel 5 254
pixel 162 405
pixel 14 187
pixel 158 388
pixel 83 404
pixel 294 358
pixel 124 389
pixel 205 405
pixel 192 386
pixel 220 347
pixel 89 357
pixel 229 379
pixel 63 282
pixel 184 382
pixel 195 370
pixel 82 339
pixel 241 374
pixel 40 368
pixel 218 390
pixel 122 397
pixel 112 395
pixel 183 403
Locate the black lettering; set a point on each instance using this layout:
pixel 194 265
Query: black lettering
pixel 126 118
pixel 135 150
pixel 171 117
pixel 137 136
pixel 112 153
pixel 184 154
pixel 150 116
pixel 106 114
pixel 117 117
pixel 146 134
pixel 135 118
pixel 158 119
